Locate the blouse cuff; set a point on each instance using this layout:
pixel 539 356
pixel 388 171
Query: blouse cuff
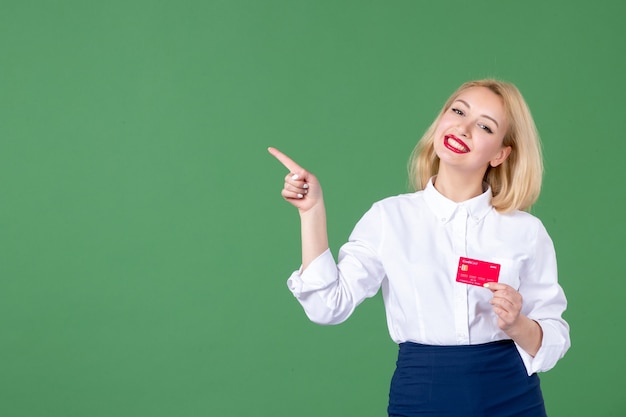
pixel 320 273
pixel 552 349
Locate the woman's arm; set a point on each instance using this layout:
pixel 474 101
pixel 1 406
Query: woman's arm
pixel 303 191
pixel 533 315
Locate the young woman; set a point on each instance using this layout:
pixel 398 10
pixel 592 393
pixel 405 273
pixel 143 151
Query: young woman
pixel 469 277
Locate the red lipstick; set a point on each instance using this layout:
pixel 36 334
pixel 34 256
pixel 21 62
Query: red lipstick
pixel 455 144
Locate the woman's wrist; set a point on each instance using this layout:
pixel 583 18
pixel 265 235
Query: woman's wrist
pixel 527 333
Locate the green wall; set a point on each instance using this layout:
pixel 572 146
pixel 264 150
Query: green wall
pixel 144 245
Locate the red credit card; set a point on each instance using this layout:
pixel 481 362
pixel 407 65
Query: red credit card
pixel 475 272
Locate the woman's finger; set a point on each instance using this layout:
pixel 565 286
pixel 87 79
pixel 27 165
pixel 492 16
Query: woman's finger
pixel 296 180
pixel 292 195
pixel 502 303
pixel 289 163
pixel 295 189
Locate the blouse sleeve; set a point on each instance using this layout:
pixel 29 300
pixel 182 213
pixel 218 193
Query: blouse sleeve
pixel 544 301
pixel 328 291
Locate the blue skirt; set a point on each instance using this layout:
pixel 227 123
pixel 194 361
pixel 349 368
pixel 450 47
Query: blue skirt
pixel 488 380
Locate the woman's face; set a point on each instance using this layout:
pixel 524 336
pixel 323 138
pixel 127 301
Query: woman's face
pixel 469 135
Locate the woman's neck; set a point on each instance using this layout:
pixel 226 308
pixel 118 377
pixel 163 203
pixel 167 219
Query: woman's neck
pixel 458 188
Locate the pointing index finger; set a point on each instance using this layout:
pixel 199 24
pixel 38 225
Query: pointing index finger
pixel 285 160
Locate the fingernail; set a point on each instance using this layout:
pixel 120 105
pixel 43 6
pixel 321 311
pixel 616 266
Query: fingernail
pixel 295 177
pixel 300 196
pixel 486 285
pixel 305 186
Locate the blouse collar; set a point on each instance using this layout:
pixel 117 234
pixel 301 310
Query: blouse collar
pixel 445 209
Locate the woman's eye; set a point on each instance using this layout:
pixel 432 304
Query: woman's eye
pixel 485 128
pixel 457 111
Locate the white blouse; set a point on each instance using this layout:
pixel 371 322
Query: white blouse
pixel 410 246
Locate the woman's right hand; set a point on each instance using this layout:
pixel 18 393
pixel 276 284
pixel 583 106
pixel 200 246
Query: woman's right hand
pixel 301 189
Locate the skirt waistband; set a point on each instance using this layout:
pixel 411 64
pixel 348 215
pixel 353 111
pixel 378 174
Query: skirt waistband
pixel 478 347
pixel 467 357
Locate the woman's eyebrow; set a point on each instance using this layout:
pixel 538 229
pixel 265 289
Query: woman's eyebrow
pixel 483 115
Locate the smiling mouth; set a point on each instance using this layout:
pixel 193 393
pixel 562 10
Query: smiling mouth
pixel 455 144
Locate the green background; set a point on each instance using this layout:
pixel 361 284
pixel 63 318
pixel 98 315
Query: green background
pixel 144 245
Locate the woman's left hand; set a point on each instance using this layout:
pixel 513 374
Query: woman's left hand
pixel 507 304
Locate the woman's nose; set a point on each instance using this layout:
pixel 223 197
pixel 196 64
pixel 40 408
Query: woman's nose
pixel 464 128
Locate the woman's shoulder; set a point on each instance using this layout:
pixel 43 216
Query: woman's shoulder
pixel 521 220
pixel 399 200
pixel 520 216
pixel 400 205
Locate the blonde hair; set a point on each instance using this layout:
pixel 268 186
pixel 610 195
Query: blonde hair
pixel 516 183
